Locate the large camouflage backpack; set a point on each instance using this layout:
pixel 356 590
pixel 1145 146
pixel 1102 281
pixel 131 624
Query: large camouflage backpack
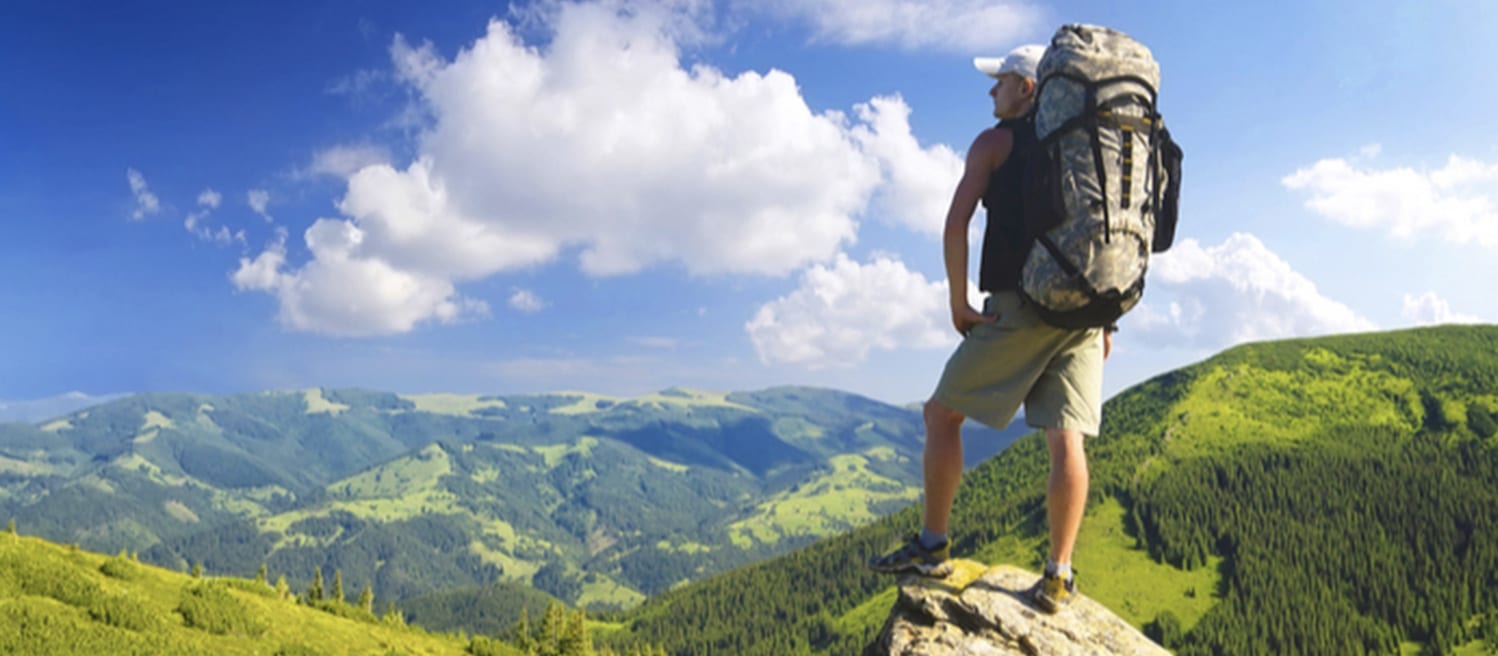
pixel 1102 187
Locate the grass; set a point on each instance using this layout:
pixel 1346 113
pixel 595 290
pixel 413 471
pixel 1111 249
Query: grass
pixel 1474 648
pixel 514 568
pixel 667 465
pixel 797 430
pixel 606 591
pixel 461 405
pixel 180 512
pixel 686 547
pixel 155 419
pixel 1116 574
pixel 1329 390
pixel 25 467
pixel 553 454
pixel 412 474
pixel 60 602
pixel 58 425
pixel 829 504
pixel 871 612
pixel 317 404
pixel 587 402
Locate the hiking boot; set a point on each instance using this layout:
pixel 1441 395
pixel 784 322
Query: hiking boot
pixel 915 557
pixel 1051 593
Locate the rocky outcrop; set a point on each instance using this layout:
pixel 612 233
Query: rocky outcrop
pixel 981 611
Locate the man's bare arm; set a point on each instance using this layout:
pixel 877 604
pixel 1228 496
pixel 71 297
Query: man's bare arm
pixel 987 153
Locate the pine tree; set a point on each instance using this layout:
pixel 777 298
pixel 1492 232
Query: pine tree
pixel 366 599
pixel 282 589
pixel 522 633
pixel 314 593
pixel 393 616
pixel 197 570
pixel 574 638
pixel 260 577
pixel 552 624
pixel 338 586
pixel 10 526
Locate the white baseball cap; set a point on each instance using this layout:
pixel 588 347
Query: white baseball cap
pixel 1024 60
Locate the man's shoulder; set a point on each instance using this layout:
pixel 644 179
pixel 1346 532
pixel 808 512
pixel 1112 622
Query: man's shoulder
pixel 993 146
pixel 996 134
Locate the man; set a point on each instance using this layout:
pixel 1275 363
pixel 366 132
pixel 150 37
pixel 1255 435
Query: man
pixel 1008 356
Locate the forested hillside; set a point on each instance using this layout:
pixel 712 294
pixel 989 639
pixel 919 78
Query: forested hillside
pixel 1330 495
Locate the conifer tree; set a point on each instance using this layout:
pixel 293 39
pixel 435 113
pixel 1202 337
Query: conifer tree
pixel 393 616
pixel 366 599
pixel 197 570
pixel 338 586
pixel 314 593
pixel 552 624
pixel 521 637
pixel 10 526
pixel 574 638
pixel 282 588
pixel 260 576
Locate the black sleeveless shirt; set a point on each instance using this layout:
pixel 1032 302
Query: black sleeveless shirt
pixel 1006 242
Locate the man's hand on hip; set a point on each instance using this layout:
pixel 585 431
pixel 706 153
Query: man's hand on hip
pixel 964 317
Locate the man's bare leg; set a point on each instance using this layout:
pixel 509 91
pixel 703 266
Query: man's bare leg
pixel 942 463
pixel 1066 491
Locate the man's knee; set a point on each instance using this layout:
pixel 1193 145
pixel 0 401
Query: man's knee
pixel 1064 442
pixel 939 415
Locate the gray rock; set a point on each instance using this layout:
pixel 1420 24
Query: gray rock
pixel 985 611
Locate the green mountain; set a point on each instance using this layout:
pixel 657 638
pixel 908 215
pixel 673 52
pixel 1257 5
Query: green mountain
pixel 1314 496
pixel 598 501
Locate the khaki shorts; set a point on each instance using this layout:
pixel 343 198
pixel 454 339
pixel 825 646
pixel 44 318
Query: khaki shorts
pixel 1056 373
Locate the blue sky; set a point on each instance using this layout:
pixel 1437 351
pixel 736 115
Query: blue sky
pixel 620 197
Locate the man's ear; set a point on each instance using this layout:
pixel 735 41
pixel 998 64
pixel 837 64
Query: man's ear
pixel 1029 87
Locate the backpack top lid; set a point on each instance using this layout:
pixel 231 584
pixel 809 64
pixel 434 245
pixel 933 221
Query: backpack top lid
pixel 1095 52
pixel 1089 55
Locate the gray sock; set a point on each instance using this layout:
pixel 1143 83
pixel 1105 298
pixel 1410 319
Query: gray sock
pixel 1053 568
pixel 932 540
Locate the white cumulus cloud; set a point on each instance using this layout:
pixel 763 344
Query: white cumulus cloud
pixel 843 311
pixel 602 144
pixel 1455 202
pixel 340 294
pixel 966 26
pixel 526 301
pixel 918 181
pixel 259 201
pixel 1429 308
pixel 146 203
pixel 1237 291
pixel 209 200
pixel 345 160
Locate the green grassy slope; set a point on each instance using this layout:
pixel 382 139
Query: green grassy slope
pixel 61 600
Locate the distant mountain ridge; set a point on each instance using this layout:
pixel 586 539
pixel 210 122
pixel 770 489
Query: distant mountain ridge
pixel 34 410
pixel 593 499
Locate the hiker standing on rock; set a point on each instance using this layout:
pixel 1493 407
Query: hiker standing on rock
pixel 1008 354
